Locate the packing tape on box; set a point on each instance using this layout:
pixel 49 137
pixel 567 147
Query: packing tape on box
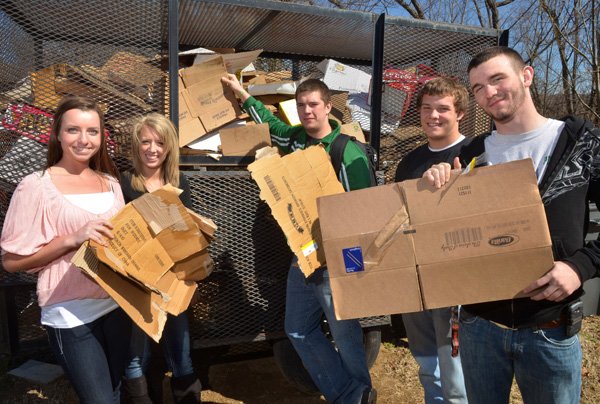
pixel 376 251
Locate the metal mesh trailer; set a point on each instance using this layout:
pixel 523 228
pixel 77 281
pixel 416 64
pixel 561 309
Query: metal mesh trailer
pixel 124 54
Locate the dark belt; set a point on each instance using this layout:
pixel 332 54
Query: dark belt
pixel 562 320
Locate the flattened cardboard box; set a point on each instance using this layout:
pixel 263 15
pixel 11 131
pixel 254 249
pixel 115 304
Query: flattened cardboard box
pixel 206 103
pixel 407 247
pixel 244 140
pixel 291 185
pixel 158 243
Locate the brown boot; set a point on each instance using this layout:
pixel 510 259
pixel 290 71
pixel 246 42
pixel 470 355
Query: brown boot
pixel 136 391
pixel 186 389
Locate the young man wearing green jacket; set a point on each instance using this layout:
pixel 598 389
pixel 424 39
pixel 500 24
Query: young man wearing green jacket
pixel 341 374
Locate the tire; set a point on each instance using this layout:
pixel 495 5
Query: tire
pixel 372 342
pixel 291 367
pixel 295 373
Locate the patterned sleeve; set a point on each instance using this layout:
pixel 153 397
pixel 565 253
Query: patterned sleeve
pixel 27 225
pixel 594 192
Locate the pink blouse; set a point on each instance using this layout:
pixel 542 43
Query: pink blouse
pixel 38 213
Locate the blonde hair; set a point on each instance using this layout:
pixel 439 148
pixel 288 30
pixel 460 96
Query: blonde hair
pixel 168 135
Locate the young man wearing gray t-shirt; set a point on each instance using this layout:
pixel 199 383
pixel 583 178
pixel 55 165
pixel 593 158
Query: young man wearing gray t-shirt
pixel 531 339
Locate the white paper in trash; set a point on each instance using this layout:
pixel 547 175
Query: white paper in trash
pixel 286 88
pixel 212 141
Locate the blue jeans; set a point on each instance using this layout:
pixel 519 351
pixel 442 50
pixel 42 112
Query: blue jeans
pixel 341 375
pixel 94 356
pixel 545 362
pixel 175 344
pixel 430 342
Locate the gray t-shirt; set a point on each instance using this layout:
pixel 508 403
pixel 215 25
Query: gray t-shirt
pixel 537 144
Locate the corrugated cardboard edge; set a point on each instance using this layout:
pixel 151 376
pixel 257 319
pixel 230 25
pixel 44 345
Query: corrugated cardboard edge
pixel 139 304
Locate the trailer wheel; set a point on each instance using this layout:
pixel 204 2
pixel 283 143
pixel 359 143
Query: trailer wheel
pixel 293 370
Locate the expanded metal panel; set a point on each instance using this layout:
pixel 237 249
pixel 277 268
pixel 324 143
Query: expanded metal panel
pixel 412 54
pixel 244 298
pixel 277 27
pixel 113 51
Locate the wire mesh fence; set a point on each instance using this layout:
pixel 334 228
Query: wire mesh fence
pixel 412 55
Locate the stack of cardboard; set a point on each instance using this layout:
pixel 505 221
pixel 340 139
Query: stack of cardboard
pixel 122 85
pixel 152 264
pixel 210 119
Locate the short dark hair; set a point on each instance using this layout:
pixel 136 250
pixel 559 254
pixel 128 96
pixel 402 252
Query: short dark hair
pixel 101 161
pixel 446 86
pixel 311 85
pixel 492 52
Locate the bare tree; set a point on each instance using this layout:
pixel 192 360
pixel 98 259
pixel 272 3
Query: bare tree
pixel 560 38
pixel 575 37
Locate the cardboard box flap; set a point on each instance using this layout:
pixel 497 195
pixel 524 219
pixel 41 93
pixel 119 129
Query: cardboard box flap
pixel 213 103
pixel 318 172
pixel 147 309
pixel 211 68
pixel 149 264
pixel 463 194
pixel 162 209
pixel 240 60
pixel 361 211
pixel 130 234
pixel 516 225
pixel 276 87
pixel 351 222
pixel 195 267
pixel 377 220
pixel 244 140
pixel 207 226
pixel 517 229
pixel 182 244
pixel 444 283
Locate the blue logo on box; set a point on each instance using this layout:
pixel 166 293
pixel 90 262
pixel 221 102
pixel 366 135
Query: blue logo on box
pixel 353 259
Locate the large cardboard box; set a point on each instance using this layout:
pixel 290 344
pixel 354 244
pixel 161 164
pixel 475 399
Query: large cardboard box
pixel 406 247
pixel 291 185
pixel 151 265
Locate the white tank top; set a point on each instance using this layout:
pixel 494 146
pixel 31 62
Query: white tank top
pixel 73 313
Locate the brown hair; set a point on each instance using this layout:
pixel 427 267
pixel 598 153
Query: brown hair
pixel 311 85
pixel 491 52
pixel 100 161
pixel 446 86
pixel 168 135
